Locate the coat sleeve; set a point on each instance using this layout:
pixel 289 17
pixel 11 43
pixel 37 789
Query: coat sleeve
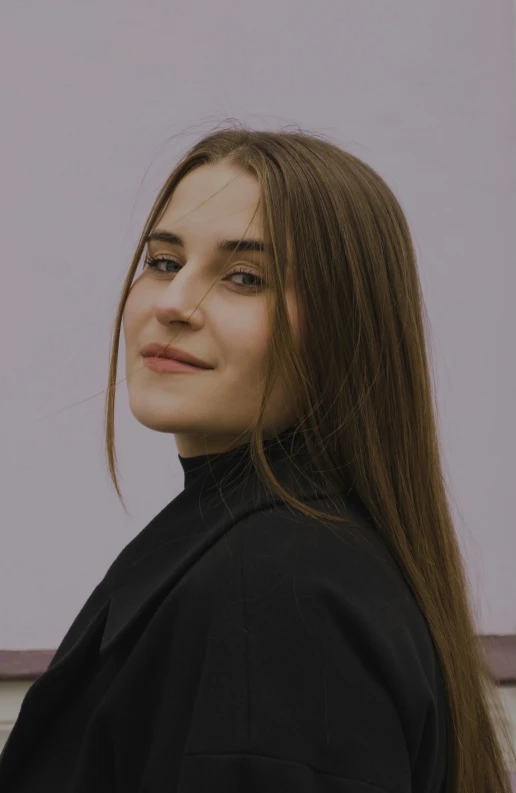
pixel 316 682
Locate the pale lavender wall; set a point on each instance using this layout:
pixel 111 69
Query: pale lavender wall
pixel 89 92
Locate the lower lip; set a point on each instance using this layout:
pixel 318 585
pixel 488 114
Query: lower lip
pixel 170 365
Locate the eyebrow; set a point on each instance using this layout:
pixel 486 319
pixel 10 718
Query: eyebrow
pixel 224 246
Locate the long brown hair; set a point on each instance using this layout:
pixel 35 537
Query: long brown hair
pixel 364 393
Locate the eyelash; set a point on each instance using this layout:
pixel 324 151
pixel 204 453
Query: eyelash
pixel 153 261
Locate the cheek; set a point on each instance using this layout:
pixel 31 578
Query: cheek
pixel 127 319
pixel 132 310
pixel 246 339
pixel 247 335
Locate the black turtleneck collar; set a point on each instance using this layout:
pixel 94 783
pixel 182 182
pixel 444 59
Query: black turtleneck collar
pixel 206 470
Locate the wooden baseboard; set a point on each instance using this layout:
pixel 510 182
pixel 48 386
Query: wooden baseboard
pixel 30 664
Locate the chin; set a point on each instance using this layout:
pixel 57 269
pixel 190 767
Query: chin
pixel 160 417
pixel 152 423
pixel 155 414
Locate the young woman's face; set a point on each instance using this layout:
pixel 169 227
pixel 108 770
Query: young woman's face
pixel 206 409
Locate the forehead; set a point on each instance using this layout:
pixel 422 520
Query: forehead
pixel 215 199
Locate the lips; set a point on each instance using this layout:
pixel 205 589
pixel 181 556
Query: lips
pixel 157 349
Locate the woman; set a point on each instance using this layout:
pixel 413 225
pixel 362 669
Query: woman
pixel 297 618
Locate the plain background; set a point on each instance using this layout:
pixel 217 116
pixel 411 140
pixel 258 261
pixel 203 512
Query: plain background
pixel 98 101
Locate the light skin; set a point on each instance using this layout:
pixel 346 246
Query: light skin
pixel 206 410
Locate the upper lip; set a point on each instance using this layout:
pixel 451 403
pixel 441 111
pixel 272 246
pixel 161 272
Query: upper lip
pixel 154 348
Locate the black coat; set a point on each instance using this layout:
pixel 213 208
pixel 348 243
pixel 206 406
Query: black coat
pixel 235 646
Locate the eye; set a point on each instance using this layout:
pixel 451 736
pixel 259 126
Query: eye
pixel 152 263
